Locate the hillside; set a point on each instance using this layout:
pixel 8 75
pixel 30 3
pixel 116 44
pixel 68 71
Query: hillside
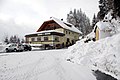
pixel 102 55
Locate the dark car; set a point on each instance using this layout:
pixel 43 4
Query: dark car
pixel 27 47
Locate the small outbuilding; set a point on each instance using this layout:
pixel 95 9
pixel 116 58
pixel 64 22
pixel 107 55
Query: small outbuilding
pixel 103 29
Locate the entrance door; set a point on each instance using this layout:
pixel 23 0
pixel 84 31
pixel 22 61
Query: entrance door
pixel 97 34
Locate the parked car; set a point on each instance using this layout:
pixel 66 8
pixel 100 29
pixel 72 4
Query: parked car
pixel 27 47
pixel 14 47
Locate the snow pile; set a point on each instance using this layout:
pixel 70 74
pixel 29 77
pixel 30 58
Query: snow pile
pixel 2 47
pixel 103 54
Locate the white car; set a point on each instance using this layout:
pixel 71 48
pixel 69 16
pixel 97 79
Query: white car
pixel 14 47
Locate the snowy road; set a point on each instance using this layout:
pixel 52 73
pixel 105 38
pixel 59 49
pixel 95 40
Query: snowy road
pixel 41 65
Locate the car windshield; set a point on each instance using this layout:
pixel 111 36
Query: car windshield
pixel 19 45
pixel 9 44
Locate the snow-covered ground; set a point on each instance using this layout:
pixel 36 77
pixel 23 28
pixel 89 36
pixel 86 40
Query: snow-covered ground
pixel 2 47
pixel 41 65
pixel 103 55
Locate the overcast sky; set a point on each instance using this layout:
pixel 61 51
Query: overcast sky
pixel 23 16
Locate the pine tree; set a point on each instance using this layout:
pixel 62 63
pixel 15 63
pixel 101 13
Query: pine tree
pixel 18 40
pixel 117 7
pixel 14 39
pixel 79 20
pixel 11 39
pixel 22 41
pixel 102 7
pixel 94 21
pixel 106 5
pixel 6 40
pixel 71 18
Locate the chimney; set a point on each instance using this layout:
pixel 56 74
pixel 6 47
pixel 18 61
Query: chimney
pixel 61 19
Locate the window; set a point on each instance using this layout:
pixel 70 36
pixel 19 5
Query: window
pixel 66 32
pixel 56 38
pixel 42 38
pixel 33 39
pixel 75 37
pixel 27 39
pixel 38 39
pixel 40 34
pixel 45 38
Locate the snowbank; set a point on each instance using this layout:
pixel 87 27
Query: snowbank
pixel 103 54
pixel 2 48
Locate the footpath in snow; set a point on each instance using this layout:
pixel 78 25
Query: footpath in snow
pixel 41 65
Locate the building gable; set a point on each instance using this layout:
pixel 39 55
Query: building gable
pixel 49 25
pixel 55 23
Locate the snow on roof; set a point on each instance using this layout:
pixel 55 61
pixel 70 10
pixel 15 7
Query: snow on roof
pixel 46 31
pixel 106 23
pixel 91 35
pixel 103 25
pixel 62 24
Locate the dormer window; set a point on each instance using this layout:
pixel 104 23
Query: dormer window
pixel 68 24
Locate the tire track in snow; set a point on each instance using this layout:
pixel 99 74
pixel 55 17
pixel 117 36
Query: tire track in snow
pixel 59 70
pixel 30 71
pixel 39 70
pixel 15 73
pixel 26 72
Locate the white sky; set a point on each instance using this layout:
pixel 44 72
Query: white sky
pixel 34 12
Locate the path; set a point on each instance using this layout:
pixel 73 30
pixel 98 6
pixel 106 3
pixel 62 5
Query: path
pixel 41 65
